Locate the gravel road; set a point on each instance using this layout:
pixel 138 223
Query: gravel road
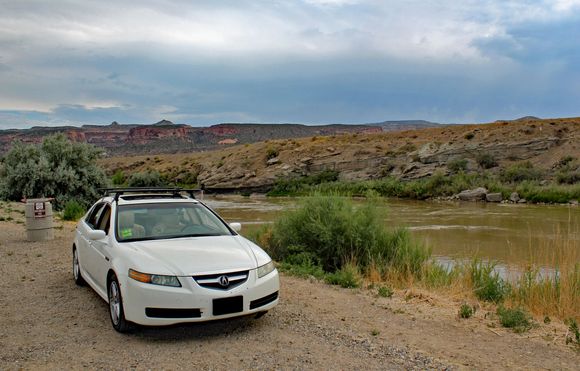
pixel 47 322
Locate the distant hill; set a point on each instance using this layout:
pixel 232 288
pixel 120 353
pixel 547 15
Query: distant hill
pixel 167 137
pixel 521 119
pixel 405 125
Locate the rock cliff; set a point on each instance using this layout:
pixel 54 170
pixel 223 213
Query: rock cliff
pixel 355 156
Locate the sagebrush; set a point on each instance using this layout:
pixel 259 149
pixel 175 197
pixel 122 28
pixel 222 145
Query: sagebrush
pixel 56 168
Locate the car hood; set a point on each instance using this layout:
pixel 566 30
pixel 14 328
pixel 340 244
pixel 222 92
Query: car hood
pixel 194 255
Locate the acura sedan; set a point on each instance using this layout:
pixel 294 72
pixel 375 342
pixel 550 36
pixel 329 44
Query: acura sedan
pixel 160 257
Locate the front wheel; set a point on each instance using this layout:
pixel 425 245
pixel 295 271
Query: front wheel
pixel 116 306
pixel 76 267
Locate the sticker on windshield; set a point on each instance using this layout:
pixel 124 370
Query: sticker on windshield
pixel 126 232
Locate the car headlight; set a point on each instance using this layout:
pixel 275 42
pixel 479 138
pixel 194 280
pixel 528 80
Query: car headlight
pixel 154 279
pixel 265 269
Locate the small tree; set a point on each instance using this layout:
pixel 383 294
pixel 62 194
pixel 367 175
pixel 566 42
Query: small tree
pixel 56 168
pixel 146 179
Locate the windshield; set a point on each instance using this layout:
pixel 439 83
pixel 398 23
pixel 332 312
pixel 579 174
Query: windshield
pixel 167 220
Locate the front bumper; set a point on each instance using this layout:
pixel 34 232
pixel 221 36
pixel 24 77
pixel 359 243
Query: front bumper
pixel 155 305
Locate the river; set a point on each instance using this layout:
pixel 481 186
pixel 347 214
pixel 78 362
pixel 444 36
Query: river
pixel 512 235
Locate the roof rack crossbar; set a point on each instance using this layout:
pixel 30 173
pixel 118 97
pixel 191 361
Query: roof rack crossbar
pixel 174 190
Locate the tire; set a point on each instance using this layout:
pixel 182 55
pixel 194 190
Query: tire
pixel 78 277
pixel 116 312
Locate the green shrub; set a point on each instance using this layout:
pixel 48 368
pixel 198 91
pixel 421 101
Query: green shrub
pixel 469 136
pixel 457 164
pixel 466 311
pixel 189 178
pixel 333 232
pixel 548 194
pixel 385 291
pixel 118 178
pixel 485 160
pixel 487 284
pixel 56 168
pixel 296 186
pixel 146 179
pixel 73 210
pixel 514 318
pixel 565 161
pixel 435 275
pixel 347 276
pixel 520 172
pixel 568 177
pixel 271 153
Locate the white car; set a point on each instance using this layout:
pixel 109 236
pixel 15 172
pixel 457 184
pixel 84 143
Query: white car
pixel 159 257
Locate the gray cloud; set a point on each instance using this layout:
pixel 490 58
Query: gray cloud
pixel 205 62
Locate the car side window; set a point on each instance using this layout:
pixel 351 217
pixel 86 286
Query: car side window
pixel 95 215
pixel 105 219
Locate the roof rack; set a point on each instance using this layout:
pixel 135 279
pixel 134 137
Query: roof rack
pixel 175 191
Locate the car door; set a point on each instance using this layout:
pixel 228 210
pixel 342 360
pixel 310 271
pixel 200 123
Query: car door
pixel 100 249
pixel 86 252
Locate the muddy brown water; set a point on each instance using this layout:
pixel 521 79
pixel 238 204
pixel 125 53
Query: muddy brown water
pixel 512 235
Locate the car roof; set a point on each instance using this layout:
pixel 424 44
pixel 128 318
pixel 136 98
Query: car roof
pixel 148 198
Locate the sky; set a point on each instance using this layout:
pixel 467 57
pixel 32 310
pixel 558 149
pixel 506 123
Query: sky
pixel 301 61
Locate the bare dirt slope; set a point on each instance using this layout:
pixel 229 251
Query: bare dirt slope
pixel 405 154
pixel 47 322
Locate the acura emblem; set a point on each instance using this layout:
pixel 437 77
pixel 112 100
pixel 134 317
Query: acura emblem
pixel 224 281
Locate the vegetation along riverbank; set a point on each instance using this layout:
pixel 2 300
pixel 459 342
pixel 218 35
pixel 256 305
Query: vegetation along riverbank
pixel 331 239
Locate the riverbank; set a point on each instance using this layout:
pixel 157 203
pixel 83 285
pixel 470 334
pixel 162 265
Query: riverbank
pixel 46 318
pixel 484 186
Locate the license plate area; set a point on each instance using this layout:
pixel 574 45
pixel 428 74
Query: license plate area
pixel 234 304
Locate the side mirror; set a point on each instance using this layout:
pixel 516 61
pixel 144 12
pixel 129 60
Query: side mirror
pixel 97 235
pixel 236 226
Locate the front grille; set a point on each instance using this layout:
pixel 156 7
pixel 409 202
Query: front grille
pixel 172 313
pixel 222 281
pixel 263 301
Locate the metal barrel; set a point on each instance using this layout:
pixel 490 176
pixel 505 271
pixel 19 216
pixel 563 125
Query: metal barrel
pixel 39 220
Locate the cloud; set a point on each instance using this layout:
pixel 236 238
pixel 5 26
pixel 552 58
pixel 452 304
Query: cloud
pixel 308 61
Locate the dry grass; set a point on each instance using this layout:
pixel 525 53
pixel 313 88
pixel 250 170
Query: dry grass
pixel 550 284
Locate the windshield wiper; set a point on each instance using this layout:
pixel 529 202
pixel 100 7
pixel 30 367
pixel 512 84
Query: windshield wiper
pixel 202 235
pixel 152 238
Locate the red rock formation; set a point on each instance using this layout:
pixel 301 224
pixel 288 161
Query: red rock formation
pixel 144 134
pixel 221 130
pixel 76 135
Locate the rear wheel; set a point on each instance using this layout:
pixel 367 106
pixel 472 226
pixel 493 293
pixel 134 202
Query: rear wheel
pixel 79 280
pixel 116 311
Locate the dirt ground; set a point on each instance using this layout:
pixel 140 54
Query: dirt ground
pixel 47 322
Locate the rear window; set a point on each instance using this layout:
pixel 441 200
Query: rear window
pixel 167 220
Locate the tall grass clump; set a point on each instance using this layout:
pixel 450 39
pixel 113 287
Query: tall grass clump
pixel 486 281
pixel 554 291
pixel 332 232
